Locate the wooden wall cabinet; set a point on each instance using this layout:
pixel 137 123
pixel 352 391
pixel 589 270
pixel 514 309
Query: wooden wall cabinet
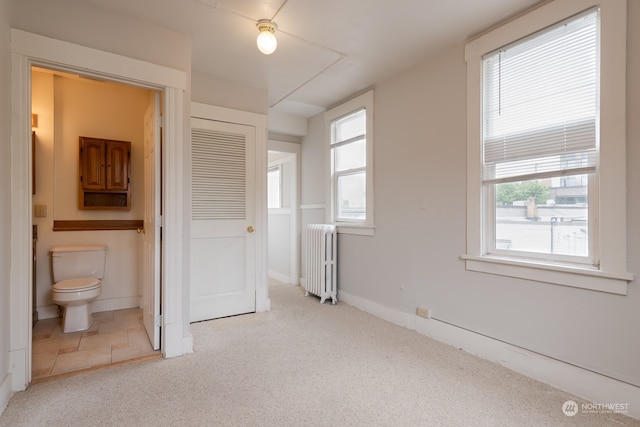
pixel 105 169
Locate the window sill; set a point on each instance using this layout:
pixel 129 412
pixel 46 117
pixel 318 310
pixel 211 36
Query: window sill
pixel 356 229
pixel 577 277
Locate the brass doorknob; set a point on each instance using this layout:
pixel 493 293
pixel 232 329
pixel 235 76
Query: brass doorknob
pixel 250 229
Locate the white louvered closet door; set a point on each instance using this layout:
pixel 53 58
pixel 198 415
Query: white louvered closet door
pixel 223 244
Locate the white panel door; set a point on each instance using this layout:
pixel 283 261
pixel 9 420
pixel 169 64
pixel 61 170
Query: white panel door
pixel 223 243
pixel 152 222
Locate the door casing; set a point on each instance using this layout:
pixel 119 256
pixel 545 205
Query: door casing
pixel 259 122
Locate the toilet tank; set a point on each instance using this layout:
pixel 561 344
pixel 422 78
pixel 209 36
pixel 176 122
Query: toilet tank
pixel 70 262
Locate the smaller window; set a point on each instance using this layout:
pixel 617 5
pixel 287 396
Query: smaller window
pixel 350 131
pixel 349 156
pixel 274 187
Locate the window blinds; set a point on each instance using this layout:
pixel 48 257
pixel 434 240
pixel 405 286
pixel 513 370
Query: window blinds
pixel 540 99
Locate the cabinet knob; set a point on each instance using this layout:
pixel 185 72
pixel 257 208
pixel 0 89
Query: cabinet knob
pixel 250 229
pixel 140 230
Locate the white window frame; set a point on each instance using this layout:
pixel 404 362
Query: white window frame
pixel 365 227
pixel 609 188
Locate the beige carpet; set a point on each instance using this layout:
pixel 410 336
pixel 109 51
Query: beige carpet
pixel 302 364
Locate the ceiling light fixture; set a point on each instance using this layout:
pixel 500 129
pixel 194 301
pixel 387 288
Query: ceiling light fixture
pixel 267 42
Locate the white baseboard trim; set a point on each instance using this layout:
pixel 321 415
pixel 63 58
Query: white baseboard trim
pixel 279 277
pixel 6 392
pixel 583 383
pixel 51 311
pixel 111 304
pixel 47 312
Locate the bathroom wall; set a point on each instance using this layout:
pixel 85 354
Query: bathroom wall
pixel 66 108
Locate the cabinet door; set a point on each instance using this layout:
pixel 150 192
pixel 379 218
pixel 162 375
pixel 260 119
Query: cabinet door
pixel 92 163
pixel 117 155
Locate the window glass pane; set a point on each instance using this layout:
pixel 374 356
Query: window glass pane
pixel 351 196
pixel 351 156
pixel 273 188
pixel 349 126
pixel 547 216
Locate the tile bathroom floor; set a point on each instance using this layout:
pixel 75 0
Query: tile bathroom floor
pixel 114 337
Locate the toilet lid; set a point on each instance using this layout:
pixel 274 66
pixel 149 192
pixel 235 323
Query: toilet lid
pixel 77 284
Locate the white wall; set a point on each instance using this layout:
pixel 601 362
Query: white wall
pixel 5 201
pixel 87 25
pixel 312 182
pixel 68 108
pixel 211 90
pixel 279 249
pixel 414 258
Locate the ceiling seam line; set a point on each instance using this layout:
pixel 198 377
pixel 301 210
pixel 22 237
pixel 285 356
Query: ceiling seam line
pixel 337 52
pixel 279 9
pixel 308 81
pixel 225 10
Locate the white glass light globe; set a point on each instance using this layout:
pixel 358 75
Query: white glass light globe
pixel 267 42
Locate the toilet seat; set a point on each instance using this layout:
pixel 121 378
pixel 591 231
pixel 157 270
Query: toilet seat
pixel 79 284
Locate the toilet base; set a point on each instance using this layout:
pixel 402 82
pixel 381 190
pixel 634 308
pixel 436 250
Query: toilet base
pixel 76 318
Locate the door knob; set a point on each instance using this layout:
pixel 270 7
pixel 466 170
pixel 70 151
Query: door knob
pixel 250 229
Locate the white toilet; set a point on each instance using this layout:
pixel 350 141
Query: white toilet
pixel 77 271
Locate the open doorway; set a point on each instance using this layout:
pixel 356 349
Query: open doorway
pixel 65 107
pixel 283 212
pixel 30 49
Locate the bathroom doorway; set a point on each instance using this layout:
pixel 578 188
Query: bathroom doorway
pixel 64 107
pixel 29 49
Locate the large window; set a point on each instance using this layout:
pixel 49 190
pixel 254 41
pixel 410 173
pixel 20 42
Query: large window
pixel 350 152
pixel 546 144
pixel 540 102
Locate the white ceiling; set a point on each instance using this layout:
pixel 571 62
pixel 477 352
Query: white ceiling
pixel 327 50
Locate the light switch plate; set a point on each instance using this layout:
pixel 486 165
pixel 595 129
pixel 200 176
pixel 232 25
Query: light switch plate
pixel 40 211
